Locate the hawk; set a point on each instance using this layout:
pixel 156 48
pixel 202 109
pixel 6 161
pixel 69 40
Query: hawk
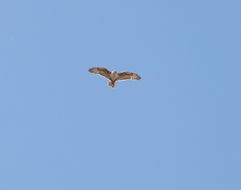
pixel 114 76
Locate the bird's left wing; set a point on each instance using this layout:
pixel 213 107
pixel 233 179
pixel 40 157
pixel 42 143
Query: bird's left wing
pixel 128 76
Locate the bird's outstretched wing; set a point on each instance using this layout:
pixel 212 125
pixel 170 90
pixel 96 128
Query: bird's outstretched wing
pixel 100 71
pixel 128 76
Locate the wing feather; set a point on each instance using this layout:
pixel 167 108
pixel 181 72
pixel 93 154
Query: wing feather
pixel 128 76
pixel 100 71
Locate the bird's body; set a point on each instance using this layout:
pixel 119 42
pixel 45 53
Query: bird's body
pixel 114 76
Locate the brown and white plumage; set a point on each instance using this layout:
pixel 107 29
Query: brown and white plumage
pixel 114 76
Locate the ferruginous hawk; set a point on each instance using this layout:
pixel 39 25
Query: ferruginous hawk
pixel 114 76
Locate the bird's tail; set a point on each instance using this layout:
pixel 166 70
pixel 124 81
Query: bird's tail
pixel 112 84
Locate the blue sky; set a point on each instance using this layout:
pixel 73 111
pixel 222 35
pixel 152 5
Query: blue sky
pixel 64 128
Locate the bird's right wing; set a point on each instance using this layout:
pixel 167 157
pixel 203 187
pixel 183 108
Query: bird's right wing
pixel 100 71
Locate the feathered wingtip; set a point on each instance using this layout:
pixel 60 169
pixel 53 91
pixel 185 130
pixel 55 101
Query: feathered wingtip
pixel 92 70
pixel 136 77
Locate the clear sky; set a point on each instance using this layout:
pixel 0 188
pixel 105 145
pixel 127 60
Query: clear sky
pixel 62 128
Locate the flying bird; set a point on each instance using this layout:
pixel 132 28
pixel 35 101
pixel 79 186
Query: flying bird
pixel 114 76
